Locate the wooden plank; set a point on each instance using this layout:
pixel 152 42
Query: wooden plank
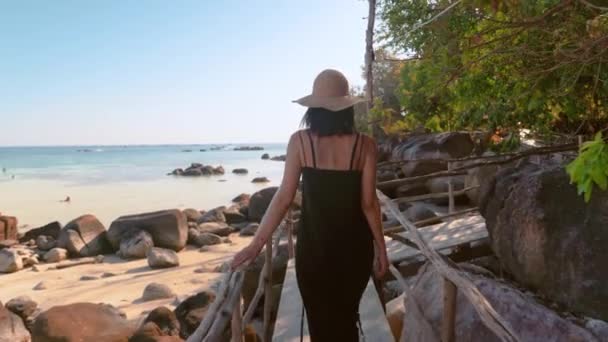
pixel 287 326
pixel 440 236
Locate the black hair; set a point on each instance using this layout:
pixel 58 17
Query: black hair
pixel 324 122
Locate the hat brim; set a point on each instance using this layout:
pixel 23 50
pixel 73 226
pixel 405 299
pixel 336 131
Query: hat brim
pixel 334 104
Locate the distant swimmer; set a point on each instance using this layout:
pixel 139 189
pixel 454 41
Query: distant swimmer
pixel 3 170
pixel 66 200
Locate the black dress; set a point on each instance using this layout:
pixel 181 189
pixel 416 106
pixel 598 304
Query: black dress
pixel 334 251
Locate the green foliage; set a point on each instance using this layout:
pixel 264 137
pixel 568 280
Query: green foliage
pixel 505 65
pixel 490 64
pixel 591 167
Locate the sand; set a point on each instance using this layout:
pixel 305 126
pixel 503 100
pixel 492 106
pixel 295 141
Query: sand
pixel 124 290
pixel 37 202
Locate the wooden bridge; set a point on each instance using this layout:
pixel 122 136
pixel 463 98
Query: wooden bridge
pixel 458 236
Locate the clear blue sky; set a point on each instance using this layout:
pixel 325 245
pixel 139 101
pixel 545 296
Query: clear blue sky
pixel 142 72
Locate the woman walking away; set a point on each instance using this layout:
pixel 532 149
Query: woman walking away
pixel 340 238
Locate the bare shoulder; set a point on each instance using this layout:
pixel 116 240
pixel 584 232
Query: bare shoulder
pixel 369 143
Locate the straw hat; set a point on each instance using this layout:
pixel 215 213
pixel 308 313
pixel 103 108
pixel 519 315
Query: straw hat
pixel 330 91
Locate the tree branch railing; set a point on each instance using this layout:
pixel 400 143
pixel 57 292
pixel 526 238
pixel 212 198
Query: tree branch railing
pixel 227 306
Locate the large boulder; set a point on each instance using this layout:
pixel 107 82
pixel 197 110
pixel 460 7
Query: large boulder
pixel 154 291
pixel 8 228
pixel 475 177
pixel 136 245
pixel 84 236
pixel 22 306
pixel 259 202
pixel 168 228
pixel 55 255
pixel 441 185
pixel 221 229
pixel 206 239
pixel 81 322
pixel 162 258
pixel 530 320
pixel 12 328
pixel 52 229
pixel 45 242
pixel 547 237
pixel 213 215
pixel 234 215
pixel 10 261
pixel 160 322
pixel 192 215
pixel 432 146
pixel 191 312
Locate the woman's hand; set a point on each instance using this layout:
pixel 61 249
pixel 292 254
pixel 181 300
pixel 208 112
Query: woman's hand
pixel 246 255
pixel 380 262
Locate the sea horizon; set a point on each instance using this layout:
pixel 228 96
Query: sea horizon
pixel 113 180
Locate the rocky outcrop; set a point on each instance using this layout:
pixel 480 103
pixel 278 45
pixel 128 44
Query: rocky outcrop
pixel 265 156
pixel 8 228
pixel 82 322
pixel 84 236
pixel 197 169
pixel 24 307
pixel 259 202
pixel 234 215
pixel 282 158
pixel 51 230
pixel 213 215
pixel 242 199
pixel 217 228
pixel 529 319
pixel 168 228
pixel 249 230
pixel 154 291
pixel 249 148
pixel 45 242
pixel 10 261
pixel 162 258
pixel 55 255
pixel 12 328
pixel 191 312
pixel 204 239
pixel 136 245
pixel 260 180
pixel 547 237
pixel 192 215
pixel 160 322
pixel 432 146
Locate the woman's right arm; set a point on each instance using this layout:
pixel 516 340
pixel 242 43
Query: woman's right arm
pixel 371 206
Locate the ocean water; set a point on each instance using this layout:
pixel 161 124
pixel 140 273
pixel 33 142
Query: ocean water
pixel 110 181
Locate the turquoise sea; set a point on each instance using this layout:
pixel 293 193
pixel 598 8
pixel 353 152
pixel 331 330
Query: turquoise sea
pixel 110 181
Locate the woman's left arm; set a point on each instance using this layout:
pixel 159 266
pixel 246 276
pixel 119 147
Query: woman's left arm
pixel 278 206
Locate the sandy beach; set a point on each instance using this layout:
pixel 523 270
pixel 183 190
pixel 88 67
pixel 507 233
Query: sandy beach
pixel 125 288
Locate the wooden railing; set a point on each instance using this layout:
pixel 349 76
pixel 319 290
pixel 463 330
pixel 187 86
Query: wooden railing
pixel 228 307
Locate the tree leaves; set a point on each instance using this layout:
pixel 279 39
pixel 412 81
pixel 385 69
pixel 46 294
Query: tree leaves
pixel 590 167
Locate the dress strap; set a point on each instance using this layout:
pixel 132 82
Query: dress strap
pixel 312 148
pixel 352 157
pixel 302 147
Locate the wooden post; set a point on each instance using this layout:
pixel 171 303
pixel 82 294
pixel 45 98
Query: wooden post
pixel 237 321
pixel 580 141
pixel 450 190
pixel 268 293
pixel 449 311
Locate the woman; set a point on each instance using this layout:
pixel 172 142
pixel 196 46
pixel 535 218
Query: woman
pixel 340 236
